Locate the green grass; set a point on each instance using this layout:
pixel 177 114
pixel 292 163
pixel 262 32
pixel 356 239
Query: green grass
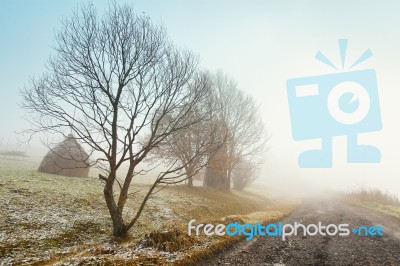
pixel 55 219
pixel 390 210
pixel 386 209
pixel 374 199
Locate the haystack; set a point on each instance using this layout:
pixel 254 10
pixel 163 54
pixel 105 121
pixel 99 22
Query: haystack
pixel 68 158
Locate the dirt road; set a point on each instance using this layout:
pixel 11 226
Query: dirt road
pixel 322 250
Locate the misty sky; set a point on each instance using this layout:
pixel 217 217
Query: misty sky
pixel 259 43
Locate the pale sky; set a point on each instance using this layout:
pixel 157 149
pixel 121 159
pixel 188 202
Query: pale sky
pixel 259 43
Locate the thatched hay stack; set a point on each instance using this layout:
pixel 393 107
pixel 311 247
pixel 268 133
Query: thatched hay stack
pixel 68 159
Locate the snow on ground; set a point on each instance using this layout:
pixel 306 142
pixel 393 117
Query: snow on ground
pixel 64 220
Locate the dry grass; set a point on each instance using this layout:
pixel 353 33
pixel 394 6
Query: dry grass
pixel 373 196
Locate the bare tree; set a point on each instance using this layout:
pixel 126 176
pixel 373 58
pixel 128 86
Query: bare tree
pixel 245 131
pixel 244 174
pixel 193 146
pixel 112 80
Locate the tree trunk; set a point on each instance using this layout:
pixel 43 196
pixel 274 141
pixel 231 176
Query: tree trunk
pixel 228 179
pixel 190 181
pixel 119 228
pixel 189 174
pixel 215 178
pixel 216 172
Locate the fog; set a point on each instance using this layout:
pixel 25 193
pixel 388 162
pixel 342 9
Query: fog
pixel 261 45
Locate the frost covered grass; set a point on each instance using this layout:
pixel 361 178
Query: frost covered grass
pixel 62 220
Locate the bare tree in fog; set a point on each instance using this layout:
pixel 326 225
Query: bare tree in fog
pixel 244 174
pixel 193 146
pixel 113 80
pixel 244 129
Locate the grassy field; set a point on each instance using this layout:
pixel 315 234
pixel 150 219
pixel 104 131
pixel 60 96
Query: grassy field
pixel 50 219
pixel 376 200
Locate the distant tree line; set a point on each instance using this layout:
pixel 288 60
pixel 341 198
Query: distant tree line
pixel 227 141
pixel 13 153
